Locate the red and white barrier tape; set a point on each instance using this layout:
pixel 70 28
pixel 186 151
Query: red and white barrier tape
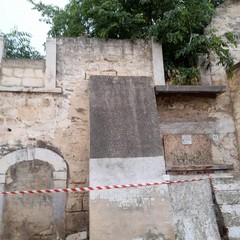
pixel 88 189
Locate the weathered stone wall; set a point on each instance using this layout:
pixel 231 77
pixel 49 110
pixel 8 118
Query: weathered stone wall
pixel 77 59
pixel 226 19
pixel 24 75
pixel 227 190
pixel 214 122
pixel 34 216
pixel 210 122
pixel 211 117
pixel 60 121
pixel 234 86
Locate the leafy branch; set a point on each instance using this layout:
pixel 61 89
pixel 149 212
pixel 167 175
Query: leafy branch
pixel 18 45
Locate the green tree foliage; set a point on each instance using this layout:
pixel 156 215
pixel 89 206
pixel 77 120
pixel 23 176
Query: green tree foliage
pixel 67 22
pixel 18 45
pixel 179 25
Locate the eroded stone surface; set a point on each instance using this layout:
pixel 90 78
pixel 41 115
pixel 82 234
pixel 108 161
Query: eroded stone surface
pixel 28 216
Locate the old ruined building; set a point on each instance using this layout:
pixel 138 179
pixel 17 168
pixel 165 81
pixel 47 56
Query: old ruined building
pixel 98 113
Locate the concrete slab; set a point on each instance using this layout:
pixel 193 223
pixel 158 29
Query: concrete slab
pixel 123 118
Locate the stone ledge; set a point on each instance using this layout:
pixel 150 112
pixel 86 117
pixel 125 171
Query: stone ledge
pixel 203 168
pixel 30 89
pixel 196 90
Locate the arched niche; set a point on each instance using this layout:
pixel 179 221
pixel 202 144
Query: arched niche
pixel 59 175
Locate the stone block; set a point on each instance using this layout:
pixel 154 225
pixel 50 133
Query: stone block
pixel 23 63
pixel 39 73
pixel 50 72
pixel 74 202
pixel 231 214
pixel 79 169
pixel 8 72
pixel 193 209
pixel 226 184
pixel 11 81
pixel 231 219
pixel 234 233
pixel 18 72
pixel 216 155
pixel 86 202
pixel 29 73
pixel 228 197
pixel 32 82
pixel 76 222
pixel 78 236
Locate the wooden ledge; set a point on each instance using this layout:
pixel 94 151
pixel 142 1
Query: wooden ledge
pixel 203 168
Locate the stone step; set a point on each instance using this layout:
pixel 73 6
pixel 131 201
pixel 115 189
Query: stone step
pixel 227 197
pixel 234 233
pixel 231 214
pixel 227 193
pixel 226 184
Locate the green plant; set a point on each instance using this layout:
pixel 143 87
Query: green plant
pixel 17 45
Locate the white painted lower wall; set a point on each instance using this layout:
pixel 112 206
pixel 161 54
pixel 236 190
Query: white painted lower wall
pixel 134 213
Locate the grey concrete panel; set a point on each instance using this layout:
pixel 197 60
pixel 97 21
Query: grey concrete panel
pixel 123 118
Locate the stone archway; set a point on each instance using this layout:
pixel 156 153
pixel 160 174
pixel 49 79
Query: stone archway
pixel 57 170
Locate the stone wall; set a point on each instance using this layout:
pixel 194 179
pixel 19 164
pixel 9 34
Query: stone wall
pixel 210 123
pixel 24 75
pixel 201 116
pixel 227 190
pixel 45 106
pixel 27 73
pixel 226 19
pixel 59 121
pixel 77 59
pixel 213 124
pixel 34 209
pixel 234 86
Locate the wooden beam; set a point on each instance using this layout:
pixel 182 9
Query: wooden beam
pixel 209 167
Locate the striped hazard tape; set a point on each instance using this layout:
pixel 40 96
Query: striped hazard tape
pixel 88 189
